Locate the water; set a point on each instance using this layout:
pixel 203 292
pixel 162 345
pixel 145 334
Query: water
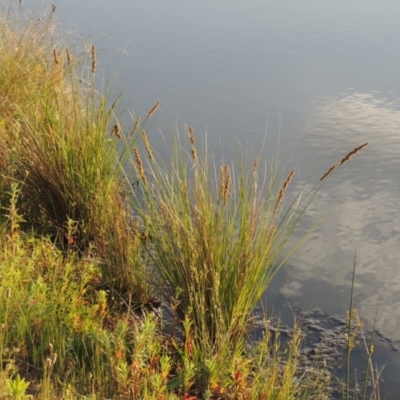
pixel 325 74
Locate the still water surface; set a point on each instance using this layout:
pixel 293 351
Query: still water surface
pixel 326 74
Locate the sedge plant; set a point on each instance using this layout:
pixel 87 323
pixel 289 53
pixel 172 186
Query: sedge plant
pixel 216 238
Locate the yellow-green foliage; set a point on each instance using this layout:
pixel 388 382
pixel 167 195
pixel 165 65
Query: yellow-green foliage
pixel 66 340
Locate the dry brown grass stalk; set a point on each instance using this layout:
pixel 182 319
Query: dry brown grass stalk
pixel 154 109
pixel 140 166
pixel 94 59
pixel 147 145
pixel 283 190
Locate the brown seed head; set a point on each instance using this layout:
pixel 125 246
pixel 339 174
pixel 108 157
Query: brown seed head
pixel 344 159
pixel 283 190
pixel 116 130
pixel 194 153
pixel 137 122
pixel 255 164
pixel 8 293
pixel 354 151
pixel 193 142
pixel 147 145
pixel 140 166
pixel 330 170
pixel 55 55
pixel 154 109
pixel 225 183
pixel 191 136
pixel 69 57
pixel 94 60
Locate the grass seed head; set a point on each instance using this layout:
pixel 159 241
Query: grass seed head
pixel 69 57
pixel 191 136
pixel 283 190
pixel 137 122
pixel 344 160
pixel 193 142
pixel 94 59
pixel 55 55
pixel 116 130
pixel 330 171
pixel 353 152
pixel 255 165
pixel 225 183
pixel 154 109
pixel 140 166
pixel 147 145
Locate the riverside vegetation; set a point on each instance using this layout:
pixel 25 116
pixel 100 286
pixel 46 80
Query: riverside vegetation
pixel 86 255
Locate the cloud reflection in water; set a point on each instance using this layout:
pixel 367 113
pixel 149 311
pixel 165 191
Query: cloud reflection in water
pixel 366 215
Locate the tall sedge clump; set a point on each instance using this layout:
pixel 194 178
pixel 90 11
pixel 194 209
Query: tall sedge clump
pixel 212 241
pixel 216 239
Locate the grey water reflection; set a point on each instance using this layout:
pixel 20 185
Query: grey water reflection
pixel 366 215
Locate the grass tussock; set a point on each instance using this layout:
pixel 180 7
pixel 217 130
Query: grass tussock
pixel 82 249
pixel 54 143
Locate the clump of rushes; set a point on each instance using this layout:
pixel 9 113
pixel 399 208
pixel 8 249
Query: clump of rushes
pixel 216 244
pixel 53 140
